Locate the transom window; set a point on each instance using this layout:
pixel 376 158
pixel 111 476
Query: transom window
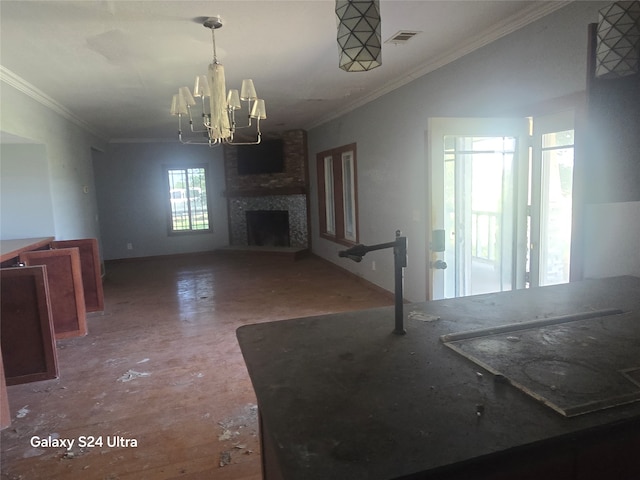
pixel 188 200
pixel 338 194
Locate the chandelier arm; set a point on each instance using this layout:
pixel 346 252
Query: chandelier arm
pixel 210 143
pixel 258 140
pixel 191 122
pixel 249 122
pixel 180 127
pixel 192 142
pixel 232 119
pixel 204 109
pixel 246 143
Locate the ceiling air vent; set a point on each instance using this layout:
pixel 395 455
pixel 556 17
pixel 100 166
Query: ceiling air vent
pixel 402 37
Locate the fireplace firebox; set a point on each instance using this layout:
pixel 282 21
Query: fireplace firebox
pixel 269 228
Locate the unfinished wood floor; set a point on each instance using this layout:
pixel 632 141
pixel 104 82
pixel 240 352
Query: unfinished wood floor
pixel 162 366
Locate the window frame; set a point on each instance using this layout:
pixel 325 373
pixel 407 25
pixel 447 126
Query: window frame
pixel 185 168
pixel 332 196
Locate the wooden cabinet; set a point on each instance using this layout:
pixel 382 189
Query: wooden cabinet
pixel 5 415
pixel 65 289
pixel 91 272
pixel 27 341
pixel 43 301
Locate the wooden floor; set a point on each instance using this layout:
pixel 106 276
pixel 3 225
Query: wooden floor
pixel 162 366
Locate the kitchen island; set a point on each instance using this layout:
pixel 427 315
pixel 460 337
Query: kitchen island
pixel 342 397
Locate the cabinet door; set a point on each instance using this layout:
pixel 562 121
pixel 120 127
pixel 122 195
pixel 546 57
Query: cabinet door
pixel 65 289
pixel 27 339
pixel 91 275
pixel 5 414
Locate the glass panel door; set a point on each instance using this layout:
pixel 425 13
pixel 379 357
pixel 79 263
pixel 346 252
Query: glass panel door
pixel 551 200
pixel 479 199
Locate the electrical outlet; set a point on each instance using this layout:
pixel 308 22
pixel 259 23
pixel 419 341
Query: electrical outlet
pixel 373 265
pixel 129 246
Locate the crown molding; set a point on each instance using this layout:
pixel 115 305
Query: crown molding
pixel 144 140
pixel 497 31
pixel 20 84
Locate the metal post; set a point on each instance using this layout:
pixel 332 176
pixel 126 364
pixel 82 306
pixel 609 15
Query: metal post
pixel 399 246
pixel 399 262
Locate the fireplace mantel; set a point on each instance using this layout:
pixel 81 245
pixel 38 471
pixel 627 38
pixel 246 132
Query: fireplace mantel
pixel 266 191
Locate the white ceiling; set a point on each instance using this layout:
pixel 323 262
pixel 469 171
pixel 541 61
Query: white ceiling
pixel 114 65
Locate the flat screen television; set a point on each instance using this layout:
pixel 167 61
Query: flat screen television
pixel 266 157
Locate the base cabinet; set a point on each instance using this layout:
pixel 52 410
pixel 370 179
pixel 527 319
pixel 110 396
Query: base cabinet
pixel 5 415
pixel 47 287
pixel 26 330
pixel 90 268
pixel 65 288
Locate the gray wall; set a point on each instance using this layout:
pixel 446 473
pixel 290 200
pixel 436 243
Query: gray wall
pixel 25 197
pixel 612 231
pixel 132 197
pixel 58 169
pixel 542 61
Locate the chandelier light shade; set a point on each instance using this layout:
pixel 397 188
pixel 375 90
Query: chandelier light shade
pixel 618 40
pixel 359 39
pixel 201 87
pixel 218 106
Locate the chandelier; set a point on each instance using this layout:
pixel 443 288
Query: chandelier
pixel 218 108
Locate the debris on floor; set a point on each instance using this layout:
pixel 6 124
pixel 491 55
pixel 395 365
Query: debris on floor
pixel 226 435
pixel 239 434
pixel 131 375
pixel 225 458
pixel 22 412
pixel 422 316
pixel 247 418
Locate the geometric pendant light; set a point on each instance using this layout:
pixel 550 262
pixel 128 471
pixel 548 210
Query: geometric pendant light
pixel 359 40
pixel 618 40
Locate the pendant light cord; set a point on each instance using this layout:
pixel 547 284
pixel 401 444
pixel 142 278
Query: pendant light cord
pixel 213 39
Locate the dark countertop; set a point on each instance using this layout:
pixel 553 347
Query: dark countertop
pixel 341 397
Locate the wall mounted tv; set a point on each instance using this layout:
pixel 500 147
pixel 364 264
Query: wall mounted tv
pixel 266 157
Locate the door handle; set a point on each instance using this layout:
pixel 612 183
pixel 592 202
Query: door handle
pixel 439 265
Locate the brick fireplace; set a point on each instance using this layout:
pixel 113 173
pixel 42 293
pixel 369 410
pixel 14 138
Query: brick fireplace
pixel 270 209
